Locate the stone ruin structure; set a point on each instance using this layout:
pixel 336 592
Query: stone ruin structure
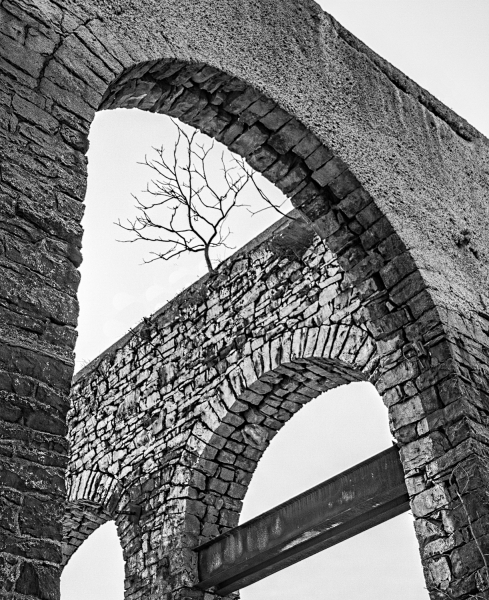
pixel 384 279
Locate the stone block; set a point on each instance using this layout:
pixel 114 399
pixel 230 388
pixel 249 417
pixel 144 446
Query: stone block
pixel 262 158
pixel 306 194
pixel 306 146
pixel 430 501
pixel 90 88
pixel 228 135
pixel 68 100
pixel 294 178
pixel 287 136
pixel 392 246
pixel 34 114
pixel 279 168
pixel 406 370
pixel 239 101
pixel 319 157
pixel 439 572
pixel 237 491
pixel 211 121
pixel 344 184
pixel 369 215
pixel 75 55
pixel 326 225
pixel 375 234
pixel 275 119
pixel 389 323
pixel 397 269
pixel 467 558
pixel 422 451
pixel 329 171
pixel 261 107
pixel 27 60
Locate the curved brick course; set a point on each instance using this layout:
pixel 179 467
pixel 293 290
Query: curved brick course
pixel 392 181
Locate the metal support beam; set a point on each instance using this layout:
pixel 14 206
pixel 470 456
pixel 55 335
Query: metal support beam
pixel 349 503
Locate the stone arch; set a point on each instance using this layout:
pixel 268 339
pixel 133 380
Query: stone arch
pixel 254 403
pixel 400 310
pixel 95 563
pixel 389 156
pixel 81 519
pixel 92 499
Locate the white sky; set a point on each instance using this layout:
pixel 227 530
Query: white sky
pixel 441 44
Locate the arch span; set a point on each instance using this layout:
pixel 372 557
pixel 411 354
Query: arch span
pixel 97 567
pixel 258 397
pixel 385 157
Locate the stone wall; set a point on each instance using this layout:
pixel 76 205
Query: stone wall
pixel 392 181
pixel 175 417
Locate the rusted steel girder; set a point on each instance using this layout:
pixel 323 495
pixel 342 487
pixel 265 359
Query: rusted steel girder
pixel 361 497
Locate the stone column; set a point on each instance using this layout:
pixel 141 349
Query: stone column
pixel 437 393
pixel 42 184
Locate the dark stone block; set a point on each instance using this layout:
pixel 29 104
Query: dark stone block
pixel 344 184
pixel 275 119
pixel 41 519
pixel 28 581
pixel 239 101
pixel 9 411
pixel 375 234
pixel 288 136
pixel 352 204
pixel 250 140
pixel 319 157
pixel 255 111
pixel 280 167
pixel 397 269
pixel 262 158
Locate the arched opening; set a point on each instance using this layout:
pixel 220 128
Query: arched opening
pixel 96 569
pixel 318 182
pixel 280 384
pixel 117 290
pixel 335 431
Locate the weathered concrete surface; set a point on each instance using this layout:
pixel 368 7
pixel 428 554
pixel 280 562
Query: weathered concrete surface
pixel 408 150
pixel 394 183
pixel 351 502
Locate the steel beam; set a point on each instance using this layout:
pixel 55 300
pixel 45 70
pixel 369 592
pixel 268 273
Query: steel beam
pixel 361 497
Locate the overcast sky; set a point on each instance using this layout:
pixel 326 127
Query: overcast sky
pixel 441 44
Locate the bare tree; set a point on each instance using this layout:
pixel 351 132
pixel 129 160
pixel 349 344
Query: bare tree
pixel 189 204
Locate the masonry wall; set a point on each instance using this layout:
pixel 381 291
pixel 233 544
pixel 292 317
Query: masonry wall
pixel 175 417
pixel 327 120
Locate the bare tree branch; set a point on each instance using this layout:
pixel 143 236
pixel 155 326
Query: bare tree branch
pixel 189 206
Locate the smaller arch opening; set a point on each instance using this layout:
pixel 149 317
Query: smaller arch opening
pixel 335 431
pixel 96 569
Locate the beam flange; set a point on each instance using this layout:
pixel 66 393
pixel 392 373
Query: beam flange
pixel 353 501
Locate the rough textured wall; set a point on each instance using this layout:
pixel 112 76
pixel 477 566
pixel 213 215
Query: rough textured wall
pixel 393 181
pixel 425 166
pixel 175 416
